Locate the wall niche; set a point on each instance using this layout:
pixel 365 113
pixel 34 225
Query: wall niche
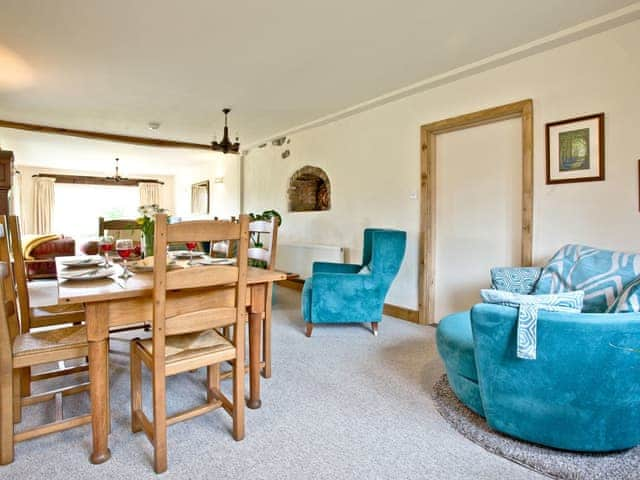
pixel 309 190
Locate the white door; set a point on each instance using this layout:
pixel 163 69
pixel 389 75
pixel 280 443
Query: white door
pixel 478 210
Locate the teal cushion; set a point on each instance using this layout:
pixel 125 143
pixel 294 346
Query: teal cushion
pixel 602 274
pixel 515 279
pixel 629 300
pixel 455 344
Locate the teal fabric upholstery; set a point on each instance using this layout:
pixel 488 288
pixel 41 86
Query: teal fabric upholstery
pixel 336 293
pixel 455 346
pixel 515 279
pixel 582 393
pixel 528 307
pixel 602 274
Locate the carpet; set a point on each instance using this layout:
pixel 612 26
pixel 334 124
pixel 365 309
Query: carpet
pixel 342 404
pixel 623 465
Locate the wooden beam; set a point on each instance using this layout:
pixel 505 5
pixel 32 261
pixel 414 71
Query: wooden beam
pixel 88 180
pixel 110 137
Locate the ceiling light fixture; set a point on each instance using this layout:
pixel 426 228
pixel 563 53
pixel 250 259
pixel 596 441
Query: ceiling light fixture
pixel 117 176
pixel 154 125
pixel 225 145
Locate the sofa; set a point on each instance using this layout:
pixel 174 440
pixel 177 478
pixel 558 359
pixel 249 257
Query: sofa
pixel 40 256
pixel 582 390
pixel 348 293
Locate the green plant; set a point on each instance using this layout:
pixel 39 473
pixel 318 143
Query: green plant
pixel 147 224
pixel 267 216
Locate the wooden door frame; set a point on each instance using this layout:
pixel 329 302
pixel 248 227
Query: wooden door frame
pixel 428 133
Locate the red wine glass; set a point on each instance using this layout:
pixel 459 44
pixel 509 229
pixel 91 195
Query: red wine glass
pixel 124 247
pixel 190 246
pixel 106 245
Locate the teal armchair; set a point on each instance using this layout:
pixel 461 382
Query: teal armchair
pixel 341 293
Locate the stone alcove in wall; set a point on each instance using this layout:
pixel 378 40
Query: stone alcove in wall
pixel 309 190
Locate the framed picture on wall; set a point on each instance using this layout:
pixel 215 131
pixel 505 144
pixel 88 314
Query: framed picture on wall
pixel 575 150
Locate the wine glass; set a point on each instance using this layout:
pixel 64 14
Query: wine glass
pixel 190 246
pixel 124 247
pixel 106 245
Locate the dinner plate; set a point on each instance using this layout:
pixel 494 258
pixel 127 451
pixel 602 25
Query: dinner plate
pixel 83 262
pixel 215 261
pixel 182 254
pixel 92 274
pixel 141 266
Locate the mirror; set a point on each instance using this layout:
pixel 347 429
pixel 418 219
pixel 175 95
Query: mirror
pixel 200 198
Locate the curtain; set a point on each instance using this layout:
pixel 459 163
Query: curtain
pixel 149 193
pixel 43 204
pixel 199 199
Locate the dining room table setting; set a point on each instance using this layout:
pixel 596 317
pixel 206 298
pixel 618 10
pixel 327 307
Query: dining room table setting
pixel 116 291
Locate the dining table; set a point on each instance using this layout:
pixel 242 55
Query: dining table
pixel 114 302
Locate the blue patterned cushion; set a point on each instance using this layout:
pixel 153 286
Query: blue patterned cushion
pixel 528 306
pixel 515 279
pixel 628 300
pixel 602 274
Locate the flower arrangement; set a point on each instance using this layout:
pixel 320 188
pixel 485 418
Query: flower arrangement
pixel 147 225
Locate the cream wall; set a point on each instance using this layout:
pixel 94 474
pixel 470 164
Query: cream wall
pixel 224 198
pixel 373 158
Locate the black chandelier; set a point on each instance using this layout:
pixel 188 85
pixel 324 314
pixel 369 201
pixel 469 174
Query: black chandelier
pixel 225 145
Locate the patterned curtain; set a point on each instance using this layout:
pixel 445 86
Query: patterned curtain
pixel 43 204
pixel 149 193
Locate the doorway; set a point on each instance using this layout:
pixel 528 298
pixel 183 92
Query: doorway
pixel 479 202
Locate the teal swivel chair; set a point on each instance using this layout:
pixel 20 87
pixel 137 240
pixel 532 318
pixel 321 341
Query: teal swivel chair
pixel 343 293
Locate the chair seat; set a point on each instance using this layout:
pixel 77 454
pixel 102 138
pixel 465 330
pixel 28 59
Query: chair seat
pixel 50 345
pixel 192 345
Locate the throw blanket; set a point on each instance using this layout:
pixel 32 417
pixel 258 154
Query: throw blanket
pixel 528 307
pixel 602 274
pixel 31 242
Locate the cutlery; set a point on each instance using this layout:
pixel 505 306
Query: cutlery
pixel 88 273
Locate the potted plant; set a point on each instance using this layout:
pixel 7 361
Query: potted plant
pixel 147 225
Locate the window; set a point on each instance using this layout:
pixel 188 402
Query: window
pixel 77 207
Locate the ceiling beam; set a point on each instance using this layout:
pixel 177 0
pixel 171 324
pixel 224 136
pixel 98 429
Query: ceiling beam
pixel 110 137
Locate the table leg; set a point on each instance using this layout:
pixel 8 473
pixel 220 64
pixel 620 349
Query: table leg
pixel 255 323
pixel 98 336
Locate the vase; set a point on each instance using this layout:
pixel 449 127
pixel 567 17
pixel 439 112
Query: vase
pixel 148 245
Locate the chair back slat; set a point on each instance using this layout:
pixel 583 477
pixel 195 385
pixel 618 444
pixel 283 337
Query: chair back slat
pixel 203 231
pixel 207 276
pixel 20 272
pixel 200 320
pixel 8 283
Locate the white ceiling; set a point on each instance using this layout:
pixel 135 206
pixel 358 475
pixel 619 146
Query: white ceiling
pixel 116 65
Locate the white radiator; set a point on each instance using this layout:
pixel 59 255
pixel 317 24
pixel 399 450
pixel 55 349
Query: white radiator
pixel 299 257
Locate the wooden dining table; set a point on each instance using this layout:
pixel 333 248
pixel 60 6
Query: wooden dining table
pixel 114 302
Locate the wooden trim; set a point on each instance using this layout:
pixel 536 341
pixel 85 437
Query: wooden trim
pixel 110 137
pixel 401 312
pixel 428 134
pixel 601 166
pixel 89 180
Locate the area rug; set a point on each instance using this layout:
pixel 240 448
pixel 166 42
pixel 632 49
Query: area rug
pixel 553 463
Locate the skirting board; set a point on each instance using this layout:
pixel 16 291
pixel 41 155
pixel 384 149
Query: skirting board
pixel 391 310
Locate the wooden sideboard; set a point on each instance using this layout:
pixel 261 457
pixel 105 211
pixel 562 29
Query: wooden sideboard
pixel 6 179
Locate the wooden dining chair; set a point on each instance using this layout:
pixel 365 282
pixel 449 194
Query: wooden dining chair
pixel 268 256
pixel 119 226
pixel 20 351
pixel 189 305
pixel 36 317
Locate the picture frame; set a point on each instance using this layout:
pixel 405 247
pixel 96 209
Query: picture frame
pixel 575 150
